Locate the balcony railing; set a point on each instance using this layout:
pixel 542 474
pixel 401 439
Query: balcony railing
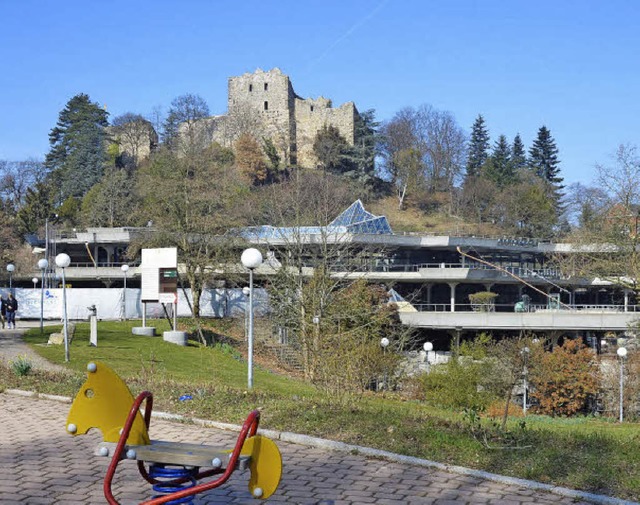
pixel 465 307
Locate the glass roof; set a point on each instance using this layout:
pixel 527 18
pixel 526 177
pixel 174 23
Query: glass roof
pixel 355 219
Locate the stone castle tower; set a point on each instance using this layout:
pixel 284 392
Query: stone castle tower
pixel 265 103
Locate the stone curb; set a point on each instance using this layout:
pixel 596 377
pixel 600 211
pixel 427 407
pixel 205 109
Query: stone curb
pixel 322 443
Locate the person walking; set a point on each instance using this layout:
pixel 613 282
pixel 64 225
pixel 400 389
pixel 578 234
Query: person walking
pixel 3 309
pixel 12 308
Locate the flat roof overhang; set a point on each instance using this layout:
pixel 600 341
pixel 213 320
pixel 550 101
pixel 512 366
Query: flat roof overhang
pixel 565 320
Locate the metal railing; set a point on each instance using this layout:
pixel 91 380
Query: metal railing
pixel 509 307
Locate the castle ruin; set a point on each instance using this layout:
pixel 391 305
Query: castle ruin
pixel 264 104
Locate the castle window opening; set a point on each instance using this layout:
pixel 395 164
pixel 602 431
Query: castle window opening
pixel 266 105
pixel 266 86
pixel 312 108
pixel 250 88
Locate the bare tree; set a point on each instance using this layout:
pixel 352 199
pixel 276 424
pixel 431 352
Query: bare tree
pixel 135 137
pixel 111 202
pixel 16 177
pixel 188 128
pixel 425 142
pixel 242 119
pixel 193 200
pixel 608 247
pixel 314 263
pixel 621 181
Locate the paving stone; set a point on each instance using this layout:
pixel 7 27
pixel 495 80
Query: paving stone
pixel 41 464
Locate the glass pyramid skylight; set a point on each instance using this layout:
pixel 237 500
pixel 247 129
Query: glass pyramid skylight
pixel 357 220
pixel 353 220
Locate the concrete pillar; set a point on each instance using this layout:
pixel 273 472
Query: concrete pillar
pixel 520 290
pixel 626 300
pixel 452 286
pixel 455 334
pixel 488 286
pixel 429 286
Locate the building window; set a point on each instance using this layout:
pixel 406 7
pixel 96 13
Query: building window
pixel 266 86
pixel 312 108
pixel 266 105
pixel 250 88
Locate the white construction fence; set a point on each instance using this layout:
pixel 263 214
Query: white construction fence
pixel 109 303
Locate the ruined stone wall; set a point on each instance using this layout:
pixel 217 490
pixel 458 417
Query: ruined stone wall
pixel 311 115
pixel 264 104
pixel 134 140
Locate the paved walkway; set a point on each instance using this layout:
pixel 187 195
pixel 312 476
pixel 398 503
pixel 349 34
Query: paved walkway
pixel 12 347
pixel 41 464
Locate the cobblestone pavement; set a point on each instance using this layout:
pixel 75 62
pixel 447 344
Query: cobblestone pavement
pixel 41 464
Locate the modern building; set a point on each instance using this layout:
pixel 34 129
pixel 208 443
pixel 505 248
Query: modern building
pixel 434 274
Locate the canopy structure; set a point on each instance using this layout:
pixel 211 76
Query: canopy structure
pixel 402 304
pixel 357 220
pixel 354 219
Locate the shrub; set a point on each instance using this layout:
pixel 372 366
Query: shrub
pixel 497 407
pixel 564 380
pixel 457 385
pixel 21 366
pixel 484 301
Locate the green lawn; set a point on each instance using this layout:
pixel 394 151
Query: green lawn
pixel 585 453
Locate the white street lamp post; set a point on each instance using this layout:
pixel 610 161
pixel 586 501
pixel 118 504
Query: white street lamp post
pixel 245 292
pixel 35 282
pixel 125 269
pixel 63 261
pixel 384 343
pixel 43 264
pixel 10 268
pixel 251 259
pixel 428 347
pixel 622 354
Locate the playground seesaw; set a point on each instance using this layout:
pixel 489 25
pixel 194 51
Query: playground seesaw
pixel 174 469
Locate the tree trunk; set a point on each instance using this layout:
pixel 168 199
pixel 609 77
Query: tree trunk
pixel 505 416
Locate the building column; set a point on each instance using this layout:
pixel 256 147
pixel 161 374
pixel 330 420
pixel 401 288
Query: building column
pixel 452 286
pixel 455 334
pixel 626 300
pixel 488 286
pixel 429 286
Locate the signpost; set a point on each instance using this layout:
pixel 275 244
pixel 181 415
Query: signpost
pixel 159 284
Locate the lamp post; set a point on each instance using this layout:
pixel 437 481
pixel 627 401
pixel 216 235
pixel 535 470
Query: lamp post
pixel 10 268
pixel 525 372
pixel 35 282
pixel 125 269
pixel 622 354
pixel 251 259
pixel 63 261
pixel 43 264
pixel 428 347
pixel 245 292
pixel 384 343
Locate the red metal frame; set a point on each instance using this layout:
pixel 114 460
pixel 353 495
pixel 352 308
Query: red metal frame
pixel 249 429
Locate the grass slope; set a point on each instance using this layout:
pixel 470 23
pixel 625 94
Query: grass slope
pixel 582 453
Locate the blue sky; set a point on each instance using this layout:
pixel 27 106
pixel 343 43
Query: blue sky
pixel 570 65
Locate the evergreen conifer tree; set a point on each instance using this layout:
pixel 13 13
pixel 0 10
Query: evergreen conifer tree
pixel 518 154
pixel 78 148
pixel 499 169
pixel 478 147
pixel 543 159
